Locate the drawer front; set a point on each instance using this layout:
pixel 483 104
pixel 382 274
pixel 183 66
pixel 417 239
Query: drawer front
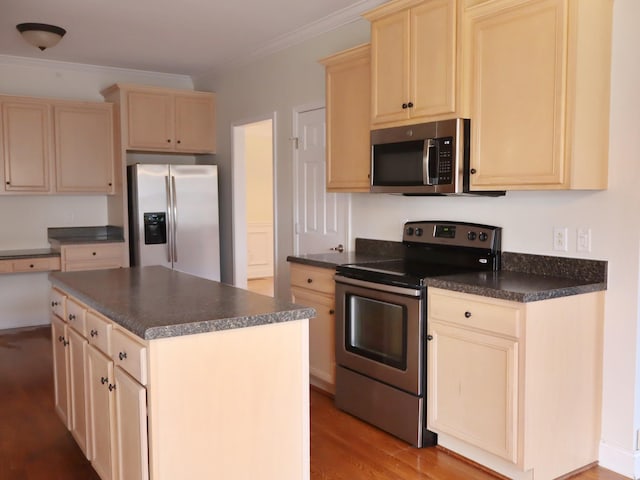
pixel 93 252
pixel 130 355
pixel 76 316
pixel 472 311
pixel 36 264
pixel 313 278
pixel 6 266
pixel 57 303
pixel 99 332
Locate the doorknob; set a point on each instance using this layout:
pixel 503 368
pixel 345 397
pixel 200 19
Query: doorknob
pixel 339 248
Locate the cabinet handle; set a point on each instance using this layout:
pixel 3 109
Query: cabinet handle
pixel 72 317
pixel 122 355
pixel 112 387
pixel 472 171
pixel 309 280
pixel 103 380
pixel 332 311
pixel 429 337
pixel 93 333
pixel 467 314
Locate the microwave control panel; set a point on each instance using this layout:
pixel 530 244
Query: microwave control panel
pixel 445 161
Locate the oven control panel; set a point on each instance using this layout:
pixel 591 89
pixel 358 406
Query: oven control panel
pixel 458 234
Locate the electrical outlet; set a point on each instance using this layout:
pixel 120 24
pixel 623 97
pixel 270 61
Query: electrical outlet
pixel 583 239
pixel 560 239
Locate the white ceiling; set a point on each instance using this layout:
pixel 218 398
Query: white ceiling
pixel 171 36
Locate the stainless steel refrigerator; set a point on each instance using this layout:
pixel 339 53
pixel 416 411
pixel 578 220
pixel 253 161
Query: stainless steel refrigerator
pixel 173 217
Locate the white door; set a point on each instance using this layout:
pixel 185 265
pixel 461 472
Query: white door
pixel 321 218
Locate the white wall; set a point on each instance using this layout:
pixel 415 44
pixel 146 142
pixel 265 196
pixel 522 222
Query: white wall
pixel 24 219
pixel 292 78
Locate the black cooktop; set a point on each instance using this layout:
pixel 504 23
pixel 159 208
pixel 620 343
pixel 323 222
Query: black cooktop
pixel 433 249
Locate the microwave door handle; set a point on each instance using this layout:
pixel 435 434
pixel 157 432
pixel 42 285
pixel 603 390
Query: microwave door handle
pixel 429 144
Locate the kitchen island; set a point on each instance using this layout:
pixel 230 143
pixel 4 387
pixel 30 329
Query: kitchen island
pixel 210 380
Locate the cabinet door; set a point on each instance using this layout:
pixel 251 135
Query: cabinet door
pixel 131 428
pixel 27 146
pixel 348 79
pixel 517 58
pixel 322 356
pixel 150 121
pixel 195 123
pixel 84 148
pixel 390 68
pixel 78 423
pixel 472 388
pixel 60 340
pixel 433 58
pixel 101 407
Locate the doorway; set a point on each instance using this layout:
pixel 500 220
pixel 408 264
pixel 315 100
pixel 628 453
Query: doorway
pixel 253 205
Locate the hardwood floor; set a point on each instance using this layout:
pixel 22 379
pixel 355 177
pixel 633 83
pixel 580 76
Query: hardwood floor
pixel 35 445
pixel 264 286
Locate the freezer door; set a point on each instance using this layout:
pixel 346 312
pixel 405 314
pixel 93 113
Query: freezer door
pixel 150 215
pixel 196 235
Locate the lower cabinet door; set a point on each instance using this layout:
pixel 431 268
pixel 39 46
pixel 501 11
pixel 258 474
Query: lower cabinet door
pixel 60 339
pixel 78 423
pixel 101 406
pixel 131 428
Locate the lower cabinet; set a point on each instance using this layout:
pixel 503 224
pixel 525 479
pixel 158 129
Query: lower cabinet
pixel 60 339
pixel 516 386
pixel 78 423
pixel 93 256
pixel 314 287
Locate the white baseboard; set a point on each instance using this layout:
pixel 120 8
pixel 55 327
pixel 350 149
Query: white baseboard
pixel 621 461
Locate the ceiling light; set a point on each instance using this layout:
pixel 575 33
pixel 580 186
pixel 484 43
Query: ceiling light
pixel 41 35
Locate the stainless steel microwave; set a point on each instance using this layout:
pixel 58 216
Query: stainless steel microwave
pixel 423 159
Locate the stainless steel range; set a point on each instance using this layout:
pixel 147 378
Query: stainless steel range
pixel 381 329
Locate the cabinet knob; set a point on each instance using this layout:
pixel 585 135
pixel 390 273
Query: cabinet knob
pixel 122 355
pixel 467 314
pixel 93 253
pixel 472 171
pixel 179 141
pixel 65 343
pixel 309 280
pixel 112 387
pixel 8 183
pixel 54 303
pixel 60 338
pixel 103 380
pixel 168 140
pixel 332 311
pixel 410 104
pixel 31 265
pixel 429 337
pixel 93 333
pixel 72 317
pixel 405 106
pixel 110 184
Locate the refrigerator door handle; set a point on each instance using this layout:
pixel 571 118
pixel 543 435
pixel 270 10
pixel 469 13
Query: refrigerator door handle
pixel 174 200
pixel 167 187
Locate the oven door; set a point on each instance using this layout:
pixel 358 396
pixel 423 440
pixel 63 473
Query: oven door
pixel 379 332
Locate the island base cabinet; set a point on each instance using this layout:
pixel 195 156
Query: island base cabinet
pixel 60 343
pixel 131 428
pixel 213 395
pixel 101 412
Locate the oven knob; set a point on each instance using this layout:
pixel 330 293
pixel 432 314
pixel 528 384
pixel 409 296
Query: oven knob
pixel 418 232
pixel 409 231
pixel 483 237
pixel 471 236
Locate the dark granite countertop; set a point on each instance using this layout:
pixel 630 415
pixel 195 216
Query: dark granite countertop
pixel 28 253
pixel 523 277
pixel 156 302
pixel 78 235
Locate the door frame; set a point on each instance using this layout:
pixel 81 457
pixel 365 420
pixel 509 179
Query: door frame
pixel 239 199
pixel 296 162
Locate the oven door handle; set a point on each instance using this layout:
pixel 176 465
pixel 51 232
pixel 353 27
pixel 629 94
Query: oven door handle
pixel 411 292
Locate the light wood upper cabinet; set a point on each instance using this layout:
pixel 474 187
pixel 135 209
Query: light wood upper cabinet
pixel 26 144
pixel 413 62
pixel 84 148
pixel 539 93
pixel 348 98
pixel 158 119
